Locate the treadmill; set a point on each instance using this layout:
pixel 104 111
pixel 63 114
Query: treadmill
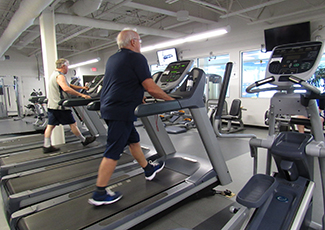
pixel 183 175
pixel 32 141
pixel 35 158
pixel 29 187
pixel 26 188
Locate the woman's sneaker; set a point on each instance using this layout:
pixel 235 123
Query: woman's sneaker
pixel 156 168
pixel 108 198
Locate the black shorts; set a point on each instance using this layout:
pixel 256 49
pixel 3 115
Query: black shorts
pixel 57 117
pixel 119 134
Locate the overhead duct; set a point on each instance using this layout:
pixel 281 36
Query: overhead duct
pixel 100 24
pixel 22 19
pixel 85 7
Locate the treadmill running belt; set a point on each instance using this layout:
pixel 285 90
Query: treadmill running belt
pixel 21 141
pixel 23 144
pixel 56 175
pixel 34 154
pixel 78 214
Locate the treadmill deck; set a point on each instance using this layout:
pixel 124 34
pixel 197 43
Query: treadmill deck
pixel 61 216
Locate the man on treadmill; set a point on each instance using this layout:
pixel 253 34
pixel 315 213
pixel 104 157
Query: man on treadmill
pixel 127 75
pixel 59 88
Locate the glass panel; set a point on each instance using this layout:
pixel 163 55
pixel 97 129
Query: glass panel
pixel 254 64
pixel 157 68
pixel 214 67
pixel 318 79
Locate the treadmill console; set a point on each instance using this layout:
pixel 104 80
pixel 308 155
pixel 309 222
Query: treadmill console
pixel 299 59
pixel 174 75
pixel 95 86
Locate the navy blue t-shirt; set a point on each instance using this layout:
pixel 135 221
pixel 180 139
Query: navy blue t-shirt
pixel 122 88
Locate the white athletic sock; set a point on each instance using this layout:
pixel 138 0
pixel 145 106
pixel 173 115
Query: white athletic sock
pixel 47 142
pixel 81 138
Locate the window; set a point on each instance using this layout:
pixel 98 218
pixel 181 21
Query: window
pixel 254 64
pixel 157 68
pixel 318 79
pixel 322 61
pixel 215 67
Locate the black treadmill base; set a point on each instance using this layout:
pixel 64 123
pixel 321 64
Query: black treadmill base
pixel 208 191
pixel 135 190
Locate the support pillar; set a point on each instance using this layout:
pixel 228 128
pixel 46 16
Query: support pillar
pixel 49 51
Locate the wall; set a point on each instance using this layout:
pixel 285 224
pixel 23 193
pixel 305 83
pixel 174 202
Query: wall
pixel 86 70
pixel 26 69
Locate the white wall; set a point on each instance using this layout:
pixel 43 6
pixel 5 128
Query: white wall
pixel 26 69
pixel 87 70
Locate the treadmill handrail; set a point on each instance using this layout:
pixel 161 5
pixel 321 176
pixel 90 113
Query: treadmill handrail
pixel 94 105
pixel 155 108
pixel 35 99
pixel 77 101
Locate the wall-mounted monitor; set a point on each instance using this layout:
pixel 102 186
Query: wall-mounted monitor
pixel 167 56
pixel 286 34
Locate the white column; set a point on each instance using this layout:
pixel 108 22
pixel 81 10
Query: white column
pixel 49 53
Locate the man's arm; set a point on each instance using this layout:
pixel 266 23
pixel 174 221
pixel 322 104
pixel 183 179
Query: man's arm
pixel 77 87
pixel 66 88
pixel 154 90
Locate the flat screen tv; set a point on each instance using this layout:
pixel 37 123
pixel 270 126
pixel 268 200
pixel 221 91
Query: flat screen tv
pixel 167 56
pixel 286 34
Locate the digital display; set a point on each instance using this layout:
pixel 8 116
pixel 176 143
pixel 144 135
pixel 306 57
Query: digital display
pixel 293 57
pixel 173 71
pixel 167 56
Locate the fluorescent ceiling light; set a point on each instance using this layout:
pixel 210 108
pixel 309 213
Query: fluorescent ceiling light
pixel 209 34
pixel 84 63
pixel 163 45
pixel 191 38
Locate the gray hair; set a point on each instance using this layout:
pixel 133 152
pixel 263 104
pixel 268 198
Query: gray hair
pixel 125 36
pixel 61 62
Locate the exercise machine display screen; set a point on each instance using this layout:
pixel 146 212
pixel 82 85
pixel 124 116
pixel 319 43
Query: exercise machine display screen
pixel 174 74
pixel 294 59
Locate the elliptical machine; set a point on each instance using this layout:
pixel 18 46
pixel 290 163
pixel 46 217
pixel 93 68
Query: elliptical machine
pixel 285 199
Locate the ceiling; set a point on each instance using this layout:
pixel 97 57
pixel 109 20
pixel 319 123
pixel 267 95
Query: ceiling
pixel 80 29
